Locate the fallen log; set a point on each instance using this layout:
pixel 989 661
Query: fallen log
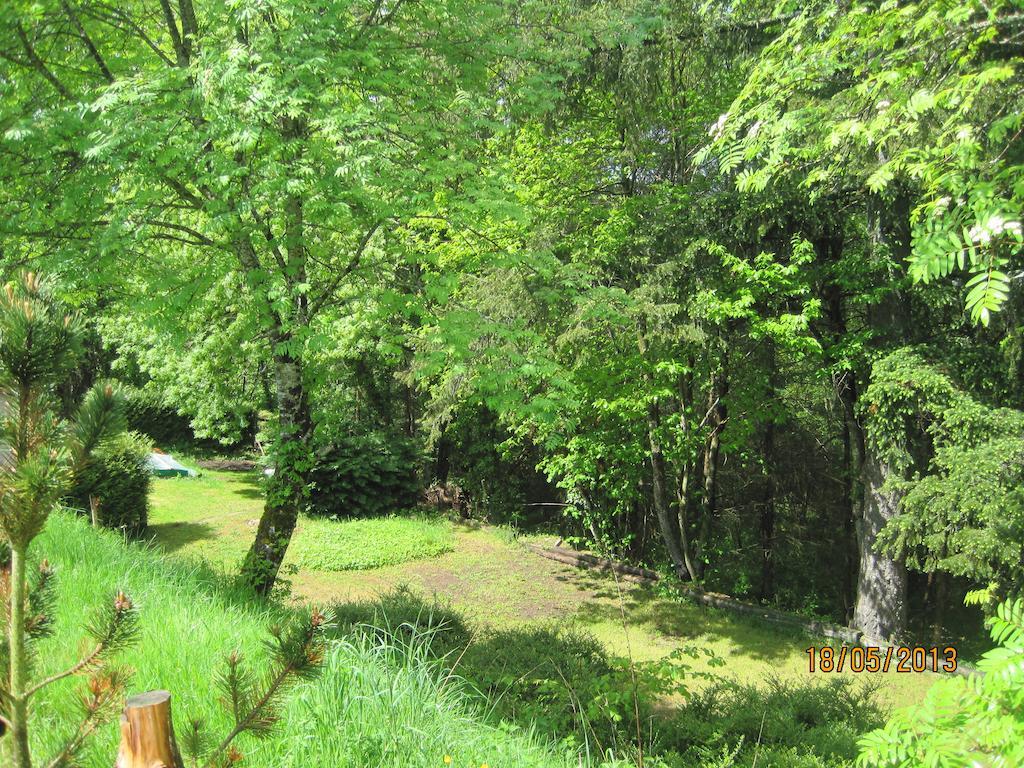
pixel 593 562
pixel 228 465
pixel 811 626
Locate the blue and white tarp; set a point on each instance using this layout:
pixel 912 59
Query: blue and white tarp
pixel 162 465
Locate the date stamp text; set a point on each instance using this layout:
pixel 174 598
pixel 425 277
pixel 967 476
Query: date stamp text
pixel 901 658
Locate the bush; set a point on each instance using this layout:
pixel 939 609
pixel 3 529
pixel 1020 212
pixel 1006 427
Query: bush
pixel 117 475
pixel 364 476
pixel 403 613
pixel 145 412
pixel 784 723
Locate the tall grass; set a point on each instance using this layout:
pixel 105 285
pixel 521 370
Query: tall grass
pixel 375 704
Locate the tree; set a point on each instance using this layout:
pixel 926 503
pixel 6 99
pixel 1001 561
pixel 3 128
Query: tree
pixel 842 105
pixel 38 345
pixel 608 331
pixel 283 145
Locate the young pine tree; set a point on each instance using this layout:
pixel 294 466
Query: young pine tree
pixel 39 343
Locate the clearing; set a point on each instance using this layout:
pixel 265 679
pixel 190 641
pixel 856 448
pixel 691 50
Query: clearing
pixel 486 574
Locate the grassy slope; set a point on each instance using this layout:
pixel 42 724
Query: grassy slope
pixel 370 707
pixel 498 584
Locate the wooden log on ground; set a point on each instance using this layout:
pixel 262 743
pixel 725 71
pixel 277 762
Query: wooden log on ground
pixel 228 465
pixel 586 560
pixel 147 734
pixel 820 628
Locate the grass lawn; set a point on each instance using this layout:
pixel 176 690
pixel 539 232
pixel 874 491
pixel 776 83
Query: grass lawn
pixel 371 705
pixel 214 517
pixel 486 575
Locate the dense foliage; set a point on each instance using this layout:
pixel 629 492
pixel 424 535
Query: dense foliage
pixel 116 481
pixel 39 343
pixel 363 476
pixel 726 289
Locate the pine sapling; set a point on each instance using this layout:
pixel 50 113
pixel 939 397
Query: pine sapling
pixel 39 344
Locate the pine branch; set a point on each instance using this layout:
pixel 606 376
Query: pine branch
pixel 100 703
pixel 297 654
pixel 114 627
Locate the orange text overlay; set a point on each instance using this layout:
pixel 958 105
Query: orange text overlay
pixel 899 658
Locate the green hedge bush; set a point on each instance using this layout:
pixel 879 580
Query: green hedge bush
pixel 146 413
pixel 118 475
pixel 364 476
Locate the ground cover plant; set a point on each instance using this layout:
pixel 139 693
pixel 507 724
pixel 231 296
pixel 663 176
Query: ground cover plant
pixel 352 545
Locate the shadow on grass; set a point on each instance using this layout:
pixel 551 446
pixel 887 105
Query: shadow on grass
pixel 250 493
pixel 173 536
pixel 677 619
pixel 563 681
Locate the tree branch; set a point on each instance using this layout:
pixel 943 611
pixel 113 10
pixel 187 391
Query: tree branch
pixel 38 64
pixel 172 30
pixel 89 44
pixel 88 660
pixel 353 263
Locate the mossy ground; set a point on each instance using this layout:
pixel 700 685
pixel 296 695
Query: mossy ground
pixel 489 577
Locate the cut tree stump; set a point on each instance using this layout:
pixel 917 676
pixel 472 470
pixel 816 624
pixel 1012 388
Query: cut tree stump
pixel 147 735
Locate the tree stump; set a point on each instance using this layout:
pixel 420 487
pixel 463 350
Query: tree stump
pixel 147 735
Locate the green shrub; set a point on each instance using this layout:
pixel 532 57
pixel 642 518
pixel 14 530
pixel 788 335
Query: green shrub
pixel 118 476
pixel 146 413
pixel 350 545
pixel 364 476
pixel 796 724
pixel 402 612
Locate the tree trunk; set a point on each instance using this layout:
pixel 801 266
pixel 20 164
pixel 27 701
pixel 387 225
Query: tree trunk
pixel 767 521
pixel 881 611
pixel 659 482
pixel 881 581
pixel 17 713
pixel 286 489
pixel 853 456
pixel 684 496
pixel 147 733
pixel 709 500
pixel 659 476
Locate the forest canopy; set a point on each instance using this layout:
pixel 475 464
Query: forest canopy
pixel 726 290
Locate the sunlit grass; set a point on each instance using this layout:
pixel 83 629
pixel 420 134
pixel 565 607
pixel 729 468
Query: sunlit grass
pixel 214 517
pixel 496 583
pixel 348 545
pixel 372 705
